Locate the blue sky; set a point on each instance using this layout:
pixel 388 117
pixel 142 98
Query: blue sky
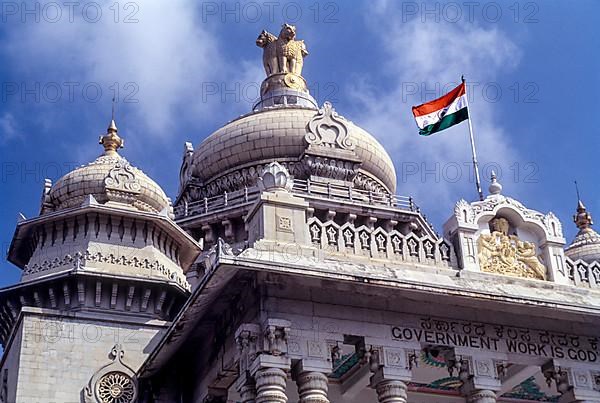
pixel 184 68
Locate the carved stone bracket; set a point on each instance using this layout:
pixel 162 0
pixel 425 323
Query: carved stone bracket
pixel 478 374
pixel 573 384
pixel 275 338
pixel 247 337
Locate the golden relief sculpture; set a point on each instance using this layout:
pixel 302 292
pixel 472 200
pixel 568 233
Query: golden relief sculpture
pixel 283 58
pixel 501 253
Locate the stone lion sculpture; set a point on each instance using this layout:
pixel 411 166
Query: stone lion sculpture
pixel 283 54
pixel 266 41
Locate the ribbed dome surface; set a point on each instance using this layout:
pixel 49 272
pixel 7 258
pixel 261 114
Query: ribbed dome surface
pixel 585 246
pixel 279 135
pixel 108 178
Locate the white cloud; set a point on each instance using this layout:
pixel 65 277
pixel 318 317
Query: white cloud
pixel 168 54
pixel 8 128
pixel 422 55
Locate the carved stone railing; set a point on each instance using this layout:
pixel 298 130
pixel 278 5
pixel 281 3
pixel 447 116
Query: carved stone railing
pixel 379 243
pixel 303 188
pixel 349 193
pixel 212 204
pixel 583 274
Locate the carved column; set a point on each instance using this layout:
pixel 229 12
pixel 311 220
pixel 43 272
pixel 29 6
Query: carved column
pixel 391 369
pixel 271 364
pixel 270 385
pixel 312 387
pixel 482 396
pixel 310 373
pixel 247 391
pixel 390 391
pixel 247 337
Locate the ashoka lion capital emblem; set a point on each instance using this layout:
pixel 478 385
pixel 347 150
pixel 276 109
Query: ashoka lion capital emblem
pixel 501 253
pixel 283 56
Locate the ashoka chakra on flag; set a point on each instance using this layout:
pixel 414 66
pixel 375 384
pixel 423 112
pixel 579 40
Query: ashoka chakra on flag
pixel 441 113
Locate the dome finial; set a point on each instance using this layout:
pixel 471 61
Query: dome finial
pixel 582 219
pixel 283 59
pixel 111 140
pixel 495 186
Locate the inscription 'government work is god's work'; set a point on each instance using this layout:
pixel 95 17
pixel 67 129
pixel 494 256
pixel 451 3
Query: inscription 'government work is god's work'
pixel 501 339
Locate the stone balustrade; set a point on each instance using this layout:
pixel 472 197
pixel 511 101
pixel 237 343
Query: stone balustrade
pixel 583 274
pixel 379 243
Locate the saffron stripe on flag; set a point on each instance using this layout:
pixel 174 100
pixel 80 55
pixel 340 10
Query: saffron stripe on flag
pixel 434 117
pixel 439 103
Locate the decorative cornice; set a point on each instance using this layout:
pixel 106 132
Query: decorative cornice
pixel 79 260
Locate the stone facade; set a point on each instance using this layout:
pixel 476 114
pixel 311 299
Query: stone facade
pixel 292 273
pixel 58 357
pixel 103 275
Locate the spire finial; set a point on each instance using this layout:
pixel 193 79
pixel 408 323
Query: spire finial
pixel 495 186
pixel 113 109
pixel 582 219
pixel 111 140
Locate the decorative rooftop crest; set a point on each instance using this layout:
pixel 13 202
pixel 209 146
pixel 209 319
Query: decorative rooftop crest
pixel 328 129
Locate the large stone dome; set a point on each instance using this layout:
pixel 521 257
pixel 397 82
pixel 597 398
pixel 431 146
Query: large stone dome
pixel 339 150
pixel 108 179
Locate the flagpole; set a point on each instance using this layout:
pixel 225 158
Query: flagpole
pixel 475 165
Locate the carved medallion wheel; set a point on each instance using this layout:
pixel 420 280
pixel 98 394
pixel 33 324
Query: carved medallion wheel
pixel 116 387
pixel 293 81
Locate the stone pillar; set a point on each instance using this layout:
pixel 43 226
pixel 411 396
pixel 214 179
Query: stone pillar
pixel 270 385
pixel 482 396
pixel 312 387
pixel 246 387
pixel 391 369
pixel 391 391
pixel 271 364
pixel 247 337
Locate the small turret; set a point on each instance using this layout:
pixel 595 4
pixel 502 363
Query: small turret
pixel 586 245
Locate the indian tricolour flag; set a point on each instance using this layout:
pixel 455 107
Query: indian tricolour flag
pixel 443 112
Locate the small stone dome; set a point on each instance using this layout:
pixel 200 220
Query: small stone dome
pixel 285 134
pixel 109 178
pixel 586 245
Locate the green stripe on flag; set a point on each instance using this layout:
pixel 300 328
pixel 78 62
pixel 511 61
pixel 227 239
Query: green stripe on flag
pixel 446 122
